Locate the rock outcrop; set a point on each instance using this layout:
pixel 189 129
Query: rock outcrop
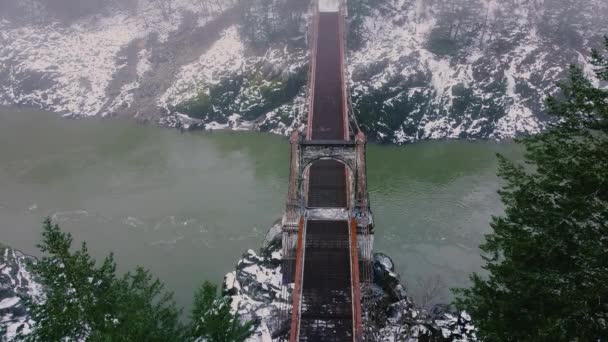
pixel 16 285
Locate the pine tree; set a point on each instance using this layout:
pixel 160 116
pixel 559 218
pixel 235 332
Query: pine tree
pixel 212 319
pixel 357 11
pixel 256 26
pixel 547 257
pixel 84 301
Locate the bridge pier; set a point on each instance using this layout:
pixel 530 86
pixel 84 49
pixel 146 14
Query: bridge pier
pixel 304 154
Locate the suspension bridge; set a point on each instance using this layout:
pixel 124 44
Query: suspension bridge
pixel 327 224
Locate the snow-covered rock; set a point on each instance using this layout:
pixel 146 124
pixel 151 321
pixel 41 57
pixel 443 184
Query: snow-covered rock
pixel 255 290
pixel 16 284
pixel 396 317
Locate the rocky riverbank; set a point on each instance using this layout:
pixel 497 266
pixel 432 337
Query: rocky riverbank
pixel 256 295
pixel 255 290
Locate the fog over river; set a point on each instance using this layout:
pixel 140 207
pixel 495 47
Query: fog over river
pixel 188 205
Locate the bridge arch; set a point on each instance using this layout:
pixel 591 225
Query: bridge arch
pixel 332 166
pixel 341 159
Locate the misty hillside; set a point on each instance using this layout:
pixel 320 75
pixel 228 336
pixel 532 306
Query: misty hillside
pixel 418 69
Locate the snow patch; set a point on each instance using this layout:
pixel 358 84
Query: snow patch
pixel 8 302
pixel 329 5
pixel 224 57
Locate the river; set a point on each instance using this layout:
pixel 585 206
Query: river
pixel 186 206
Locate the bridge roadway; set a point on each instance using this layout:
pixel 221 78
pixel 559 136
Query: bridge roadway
pixel 326 302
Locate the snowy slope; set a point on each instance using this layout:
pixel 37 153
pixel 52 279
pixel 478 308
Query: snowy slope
pixel 492 84
pixel 420 70
pixel 69 69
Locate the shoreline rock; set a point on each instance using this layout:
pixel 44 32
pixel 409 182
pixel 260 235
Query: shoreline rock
pixel 16 285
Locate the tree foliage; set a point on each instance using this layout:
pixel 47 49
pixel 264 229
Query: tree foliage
pixel 84 301
pixel 357 11
pixel 547 255
pixel 89 302
pixel 212 319
pixel 250 95
pixel 264 22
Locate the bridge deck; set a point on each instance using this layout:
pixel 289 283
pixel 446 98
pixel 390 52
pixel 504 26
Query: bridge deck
pixel 328 109
pixel 327 185
pixel 326 304
pixel 327 118
pixel 326 313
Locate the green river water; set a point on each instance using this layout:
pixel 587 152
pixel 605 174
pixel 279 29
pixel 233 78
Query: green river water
pixel 188 205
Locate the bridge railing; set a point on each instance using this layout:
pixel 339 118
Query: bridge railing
pixel 298 282
pixel 355 282
pixel 312 34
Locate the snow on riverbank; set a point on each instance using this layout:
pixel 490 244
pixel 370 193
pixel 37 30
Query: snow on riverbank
pixel 411 77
